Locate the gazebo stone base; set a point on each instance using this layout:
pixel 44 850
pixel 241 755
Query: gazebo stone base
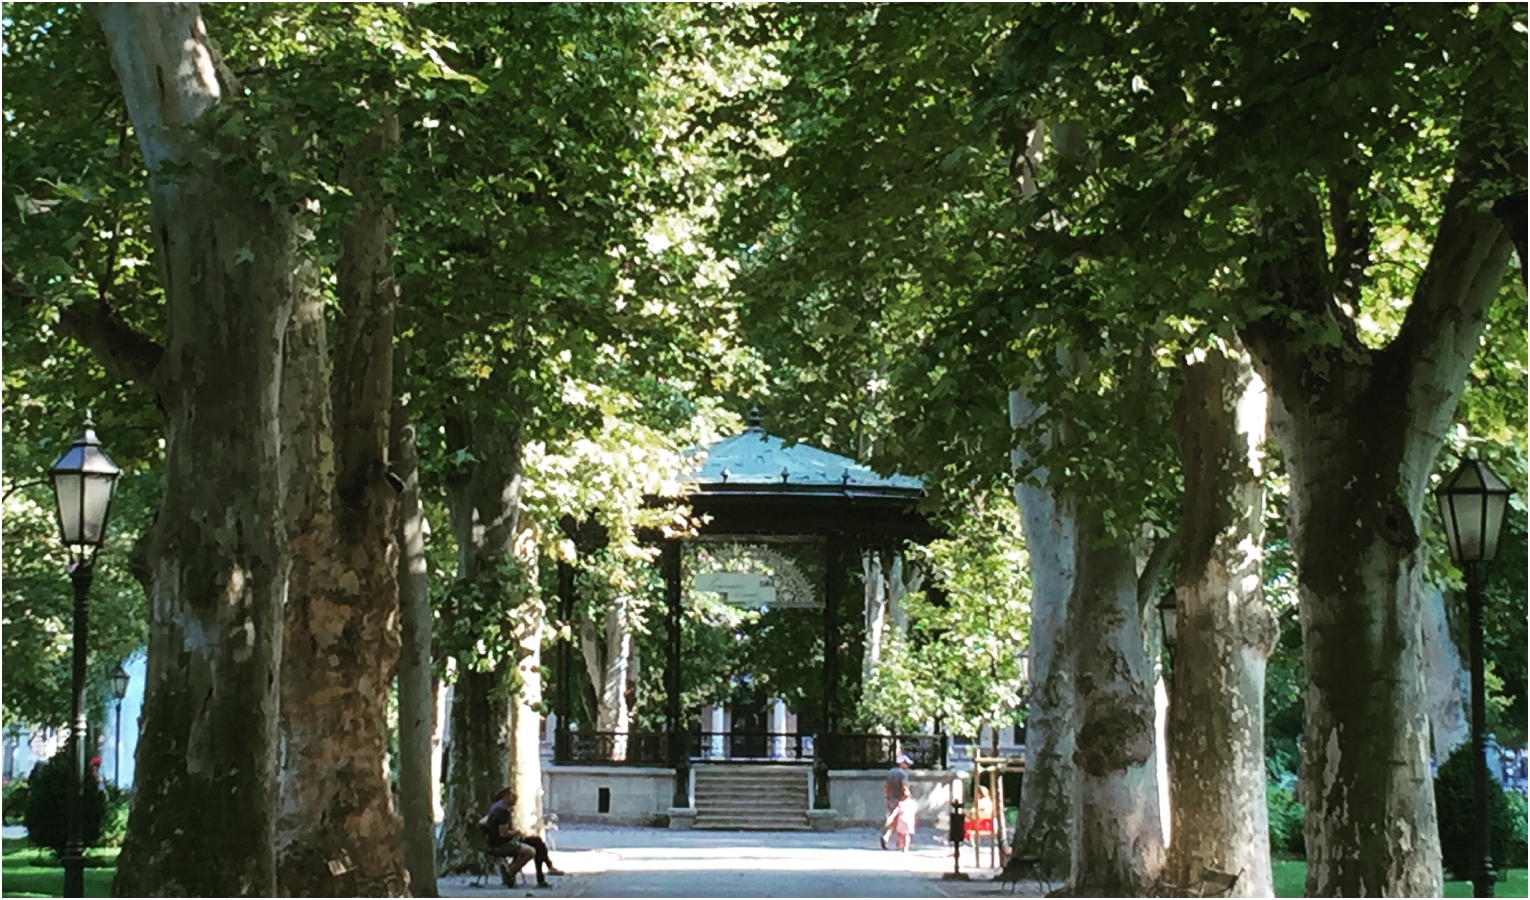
pixel 682 818
pixel 823 819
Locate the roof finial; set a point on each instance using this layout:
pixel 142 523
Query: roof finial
pixel 754 422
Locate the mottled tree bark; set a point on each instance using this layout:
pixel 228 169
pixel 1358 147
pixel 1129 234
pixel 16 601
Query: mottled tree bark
pixel 217 558
pixel 337 834
pixel 1118 848
pixel 607 654
pixel 416 689
pixel 475 768
pixel 526 697
pixel 485 511
pixel 1360 429
pixel 1045 824
pixel 1446 681
pixel 1225 631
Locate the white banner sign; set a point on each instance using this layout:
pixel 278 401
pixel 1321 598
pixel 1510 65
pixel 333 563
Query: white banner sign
pixel 739 588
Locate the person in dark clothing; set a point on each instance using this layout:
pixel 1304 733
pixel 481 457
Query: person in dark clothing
pixel 504 841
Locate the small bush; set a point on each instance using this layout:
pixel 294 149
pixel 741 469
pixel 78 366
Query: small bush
pixel 48 807
pixel 1519 839
pixel 114 822
pixel 14 801
pixel 1454 804
pixel 1286 815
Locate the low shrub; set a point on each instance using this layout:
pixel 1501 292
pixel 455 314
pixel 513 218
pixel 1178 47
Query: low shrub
pixel 1455 807
pixel 48 808
pixel 1286 815
pixel 1519 840
pixel 13 802
pixel 114 821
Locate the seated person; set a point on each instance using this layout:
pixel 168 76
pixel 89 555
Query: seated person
pixel 504 841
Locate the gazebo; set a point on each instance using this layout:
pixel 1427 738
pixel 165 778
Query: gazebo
pixel 755 490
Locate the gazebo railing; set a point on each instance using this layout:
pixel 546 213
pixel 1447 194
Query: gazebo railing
pixel 751 746
pixel 839 751
pixel 616 748
pixel 875 751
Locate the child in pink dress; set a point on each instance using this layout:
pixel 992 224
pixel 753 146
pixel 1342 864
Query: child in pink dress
pixel 903 819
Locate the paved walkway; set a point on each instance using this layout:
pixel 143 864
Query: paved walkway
pixel 651 862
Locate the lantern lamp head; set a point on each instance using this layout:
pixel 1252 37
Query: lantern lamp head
pixel 1473 502
pixel 84 479
pixel 1168 616
pixel 119 681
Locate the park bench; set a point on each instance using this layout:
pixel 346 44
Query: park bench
pixel 1211 884
pixel 1023 867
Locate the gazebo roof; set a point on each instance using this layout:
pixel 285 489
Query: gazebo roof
pixel 756 462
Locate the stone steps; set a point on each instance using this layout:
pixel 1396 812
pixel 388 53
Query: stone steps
pixel 752 798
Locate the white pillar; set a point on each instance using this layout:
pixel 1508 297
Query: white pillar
pixel 777 727
pixel 719 740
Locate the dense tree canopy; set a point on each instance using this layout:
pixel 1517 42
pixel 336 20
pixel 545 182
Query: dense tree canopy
pixel 571 242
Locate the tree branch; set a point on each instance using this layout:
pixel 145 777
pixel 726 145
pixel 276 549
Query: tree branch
pixel 1292 280
pixel 1439 336
pixel 1511 212
pixel 1351 243
pixel 1152 570
pixel 127 353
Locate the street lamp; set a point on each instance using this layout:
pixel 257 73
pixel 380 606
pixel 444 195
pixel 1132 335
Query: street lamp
pixel 1472 502
pixel 119 680
pixel 1168 617
pixel 83 482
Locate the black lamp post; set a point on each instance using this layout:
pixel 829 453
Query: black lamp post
pixel 83 482
pixel 1472 502
pixel 119 680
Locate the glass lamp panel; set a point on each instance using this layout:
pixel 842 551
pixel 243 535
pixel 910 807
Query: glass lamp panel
pixel 1467 510
pixel 67 491
pixel 97 503
pixel 119 683
pixel 1497 506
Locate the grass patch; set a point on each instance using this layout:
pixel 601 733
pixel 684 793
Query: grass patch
pixel 27 871
pixel 1291 879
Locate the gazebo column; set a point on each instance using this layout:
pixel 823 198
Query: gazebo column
pixel 826 744
pixel 777 728
pixel 679 758
pixel 717 724
pixel 563 702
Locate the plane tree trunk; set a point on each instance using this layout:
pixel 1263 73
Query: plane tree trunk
pixel 1360 429
pixel 1118 848
pixel 484 502
pixel 1044 826
pixel 416 688
pixel 1225 631
pixel 216 561
pixel 337 832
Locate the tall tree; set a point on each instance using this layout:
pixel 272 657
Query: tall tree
pixel 417 787
pixel 889 226
pixel 337 833
pixel 1268 165
pixel 218 559
pixel 1226 631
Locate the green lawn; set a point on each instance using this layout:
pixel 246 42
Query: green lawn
pixel 29 872
pixel 1291 877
